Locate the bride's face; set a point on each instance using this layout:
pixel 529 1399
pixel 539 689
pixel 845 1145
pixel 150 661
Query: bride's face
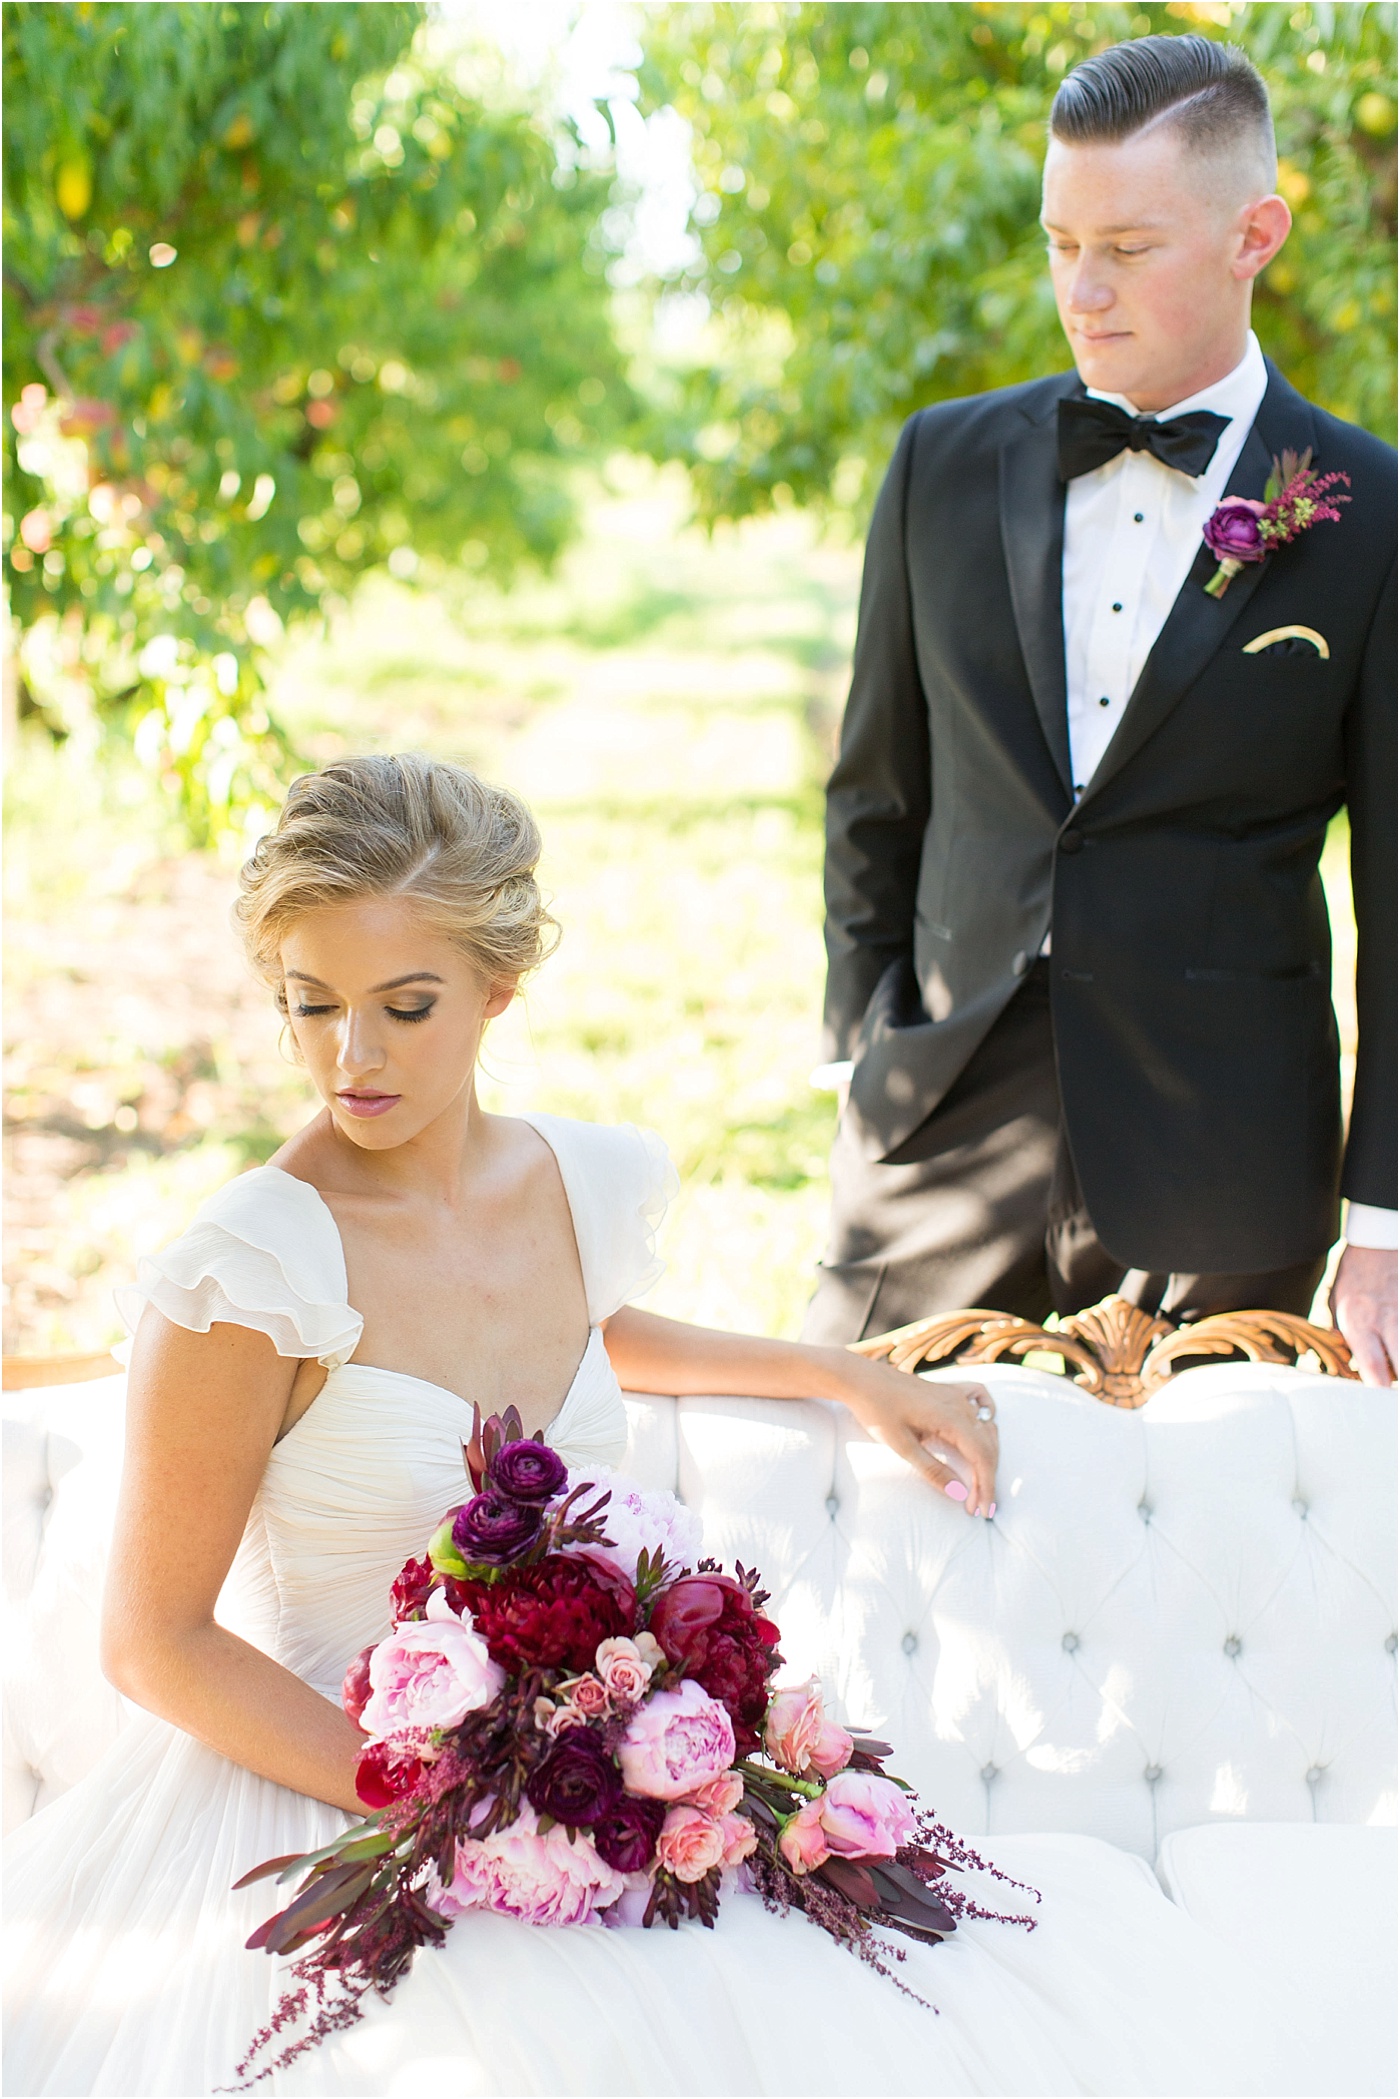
pixel 388 1016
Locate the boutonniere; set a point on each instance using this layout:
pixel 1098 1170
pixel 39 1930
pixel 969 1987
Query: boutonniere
pixel 1241 530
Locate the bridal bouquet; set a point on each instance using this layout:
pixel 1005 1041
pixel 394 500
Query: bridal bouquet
pixel 570 1723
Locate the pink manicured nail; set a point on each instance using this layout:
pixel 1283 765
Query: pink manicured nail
pixel 991 1511
pixel 956 1490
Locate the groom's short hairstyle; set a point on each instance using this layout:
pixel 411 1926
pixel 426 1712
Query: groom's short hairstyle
pixel 1207 91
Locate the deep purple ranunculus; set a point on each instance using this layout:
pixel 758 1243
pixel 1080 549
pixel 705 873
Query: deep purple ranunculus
pixel 1232 530
pixel 528 1471
pixel 625 1837
pixel 491 1530
pixel 577 1783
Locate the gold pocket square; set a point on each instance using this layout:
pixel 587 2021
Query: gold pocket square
pixel 1266 641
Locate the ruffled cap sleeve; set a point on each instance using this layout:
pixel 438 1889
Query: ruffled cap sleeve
pixel 620 1181
pixel 263 1253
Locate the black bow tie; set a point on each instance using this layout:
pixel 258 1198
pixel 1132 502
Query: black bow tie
pixel 1093 432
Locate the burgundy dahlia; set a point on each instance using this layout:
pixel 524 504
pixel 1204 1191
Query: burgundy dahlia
pixel 491 1530
pixel 708 1628
pixel 551 1615
pixel 528 1471
pixel 625 1837
pixel 577 1782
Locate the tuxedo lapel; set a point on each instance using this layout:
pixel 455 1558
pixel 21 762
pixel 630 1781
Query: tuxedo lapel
pixel 1198 624
pixel 1033 539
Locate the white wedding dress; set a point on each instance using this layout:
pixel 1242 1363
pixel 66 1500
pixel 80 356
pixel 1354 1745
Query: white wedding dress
pixel 128 1973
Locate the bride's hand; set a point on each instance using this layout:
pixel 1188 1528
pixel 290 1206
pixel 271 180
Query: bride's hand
pixel 907 1414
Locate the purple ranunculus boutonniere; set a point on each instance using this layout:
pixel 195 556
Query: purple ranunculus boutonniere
pixel 1242 530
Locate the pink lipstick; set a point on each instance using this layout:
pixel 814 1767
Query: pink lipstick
pixel 364 1103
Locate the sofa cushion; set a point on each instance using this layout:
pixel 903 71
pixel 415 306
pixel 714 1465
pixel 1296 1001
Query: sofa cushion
pixel 1318 1902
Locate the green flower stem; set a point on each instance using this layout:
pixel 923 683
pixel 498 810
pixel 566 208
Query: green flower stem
pixel 781 1778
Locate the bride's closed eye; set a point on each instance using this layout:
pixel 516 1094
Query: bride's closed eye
pixel 303 1012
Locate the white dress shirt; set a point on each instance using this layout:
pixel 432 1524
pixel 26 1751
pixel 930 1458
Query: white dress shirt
pixel 1132 530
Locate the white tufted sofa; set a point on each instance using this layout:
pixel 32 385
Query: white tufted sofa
pixel 1178 1635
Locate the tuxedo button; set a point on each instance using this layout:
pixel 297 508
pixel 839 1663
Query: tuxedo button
pixel 1071 841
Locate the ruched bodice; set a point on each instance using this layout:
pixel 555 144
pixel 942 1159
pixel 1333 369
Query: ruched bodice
pixel 356 1487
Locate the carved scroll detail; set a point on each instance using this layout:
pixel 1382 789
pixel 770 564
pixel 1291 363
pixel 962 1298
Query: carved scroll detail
pixel 1113 1350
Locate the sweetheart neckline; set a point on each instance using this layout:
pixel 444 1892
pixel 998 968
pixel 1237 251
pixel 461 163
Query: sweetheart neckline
pixel 430 1385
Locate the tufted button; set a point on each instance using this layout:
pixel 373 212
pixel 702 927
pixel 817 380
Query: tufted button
pixel 1300 1508
pixel 1390 1644
pixel 1070 1642
pixel 1316 1774
pixel 1232 1646
pixel 910 1643
pixel 988 1773
pixel 1145 1510
pixel 1152 1773
pixel 832 1504
pixel 1071 841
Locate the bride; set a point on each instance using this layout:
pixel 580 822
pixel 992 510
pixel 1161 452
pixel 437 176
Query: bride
pixel 304 1361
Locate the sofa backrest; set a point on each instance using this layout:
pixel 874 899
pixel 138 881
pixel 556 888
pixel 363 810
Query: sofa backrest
pixel 1180 1614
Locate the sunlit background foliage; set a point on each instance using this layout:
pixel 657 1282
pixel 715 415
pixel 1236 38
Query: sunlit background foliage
pixel 332 365
pixel 284 301
pixel 869 183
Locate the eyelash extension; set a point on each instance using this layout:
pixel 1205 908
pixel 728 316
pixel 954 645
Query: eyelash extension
pixel 309 1012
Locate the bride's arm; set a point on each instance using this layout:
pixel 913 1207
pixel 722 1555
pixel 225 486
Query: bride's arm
pixel 651 1354
pixel 203 1411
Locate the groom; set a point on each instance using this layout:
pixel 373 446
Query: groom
pixel 1078 943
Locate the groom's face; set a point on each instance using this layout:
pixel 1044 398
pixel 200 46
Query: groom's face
pixel 1152 251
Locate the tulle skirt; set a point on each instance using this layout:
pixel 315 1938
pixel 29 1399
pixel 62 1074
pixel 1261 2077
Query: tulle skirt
pixel 127 1975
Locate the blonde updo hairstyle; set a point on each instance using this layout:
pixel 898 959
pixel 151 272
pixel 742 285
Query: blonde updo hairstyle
pixel 409 826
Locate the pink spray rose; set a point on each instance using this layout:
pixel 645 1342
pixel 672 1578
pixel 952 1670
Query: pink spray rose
pixel 865 1816
pixel 624 1672
pixel 430 1672
pixel 676 1742
pixel 740 1838
pixel 586 1699
pixel 553 1879
pixel 803 1841
pixel 800 1738
pixel 690 1843
pixel 719 1796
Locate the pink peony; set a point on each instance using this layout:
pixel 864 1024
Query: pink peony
pixel 430 1672
pixel 740 1838
pixel 799 1736
pixel 675 1743
pixel 690 1843
pixel 639 1519
pixel 803 1842
pixel 551 1879
pixel 865 1816
pixel 624 1671
pixel 719 1796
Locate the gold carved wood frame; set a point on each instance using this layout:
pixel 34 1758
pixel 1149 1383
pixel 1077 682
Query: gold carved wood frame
pixel 1114 1351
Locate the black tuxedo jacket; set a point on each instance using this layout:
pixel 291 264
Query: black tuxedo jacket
pixel 1196 1043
